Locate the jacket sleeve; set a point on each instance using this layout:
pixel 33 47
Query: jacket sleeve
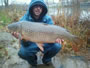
pixel 49 20
pixel 25 17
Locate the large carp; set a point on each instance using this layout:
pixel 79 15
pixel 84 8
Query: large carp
pixel 42 33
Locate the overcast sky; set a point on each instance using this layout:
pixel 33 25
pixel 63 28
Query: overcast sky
pixel 26 1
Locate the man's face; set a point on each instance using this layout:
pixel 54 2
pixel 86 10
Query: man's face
pixel 37 10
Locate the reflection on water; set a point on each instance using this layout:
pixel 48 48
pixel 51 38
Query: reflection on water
pixel 83 12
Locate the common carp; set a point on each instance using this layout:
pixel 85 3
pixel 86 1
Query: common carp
pixel 41 32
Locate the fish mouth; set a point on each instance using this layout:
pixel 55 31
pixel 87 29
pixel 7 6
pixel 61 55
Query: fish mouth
pixel 7 30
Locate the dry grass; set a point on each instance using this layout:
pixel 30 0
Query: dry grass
pixel 8 16
pixel 75 27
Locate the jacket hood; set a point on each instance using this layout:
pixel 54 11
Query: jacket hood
pixel 35 2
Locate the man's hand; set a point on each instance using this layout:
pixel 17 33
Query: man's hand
pixel 59 41
pixel 16 35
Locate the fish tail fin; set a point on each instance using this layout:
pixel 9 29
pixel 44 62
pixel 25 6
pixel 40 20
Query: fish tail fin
pixel 77 42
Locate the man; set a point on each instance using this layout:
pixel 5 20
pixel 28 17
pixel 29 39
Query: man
pixel 37 13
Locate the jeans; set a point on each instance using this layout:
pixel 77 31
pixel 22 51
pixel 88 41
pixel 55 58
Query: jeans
pixel 28 52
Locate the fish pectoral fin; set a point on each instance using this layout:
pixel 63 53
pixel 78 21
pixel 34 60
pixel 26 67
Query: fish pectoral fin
pixel 40 45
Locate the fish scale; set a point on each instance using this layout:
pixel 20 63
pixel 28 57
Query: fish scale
pixel 42 33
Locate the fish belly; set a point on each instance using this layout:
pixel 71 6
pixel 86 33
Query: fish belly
pixel 40 37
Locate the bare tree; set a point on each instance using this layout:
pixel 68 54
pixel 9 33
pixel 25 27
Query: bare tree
pixel 4 2
pixel 76 9
pixel 53 1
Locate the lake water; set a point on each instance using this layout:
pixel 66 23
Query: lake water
pixel 83 12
